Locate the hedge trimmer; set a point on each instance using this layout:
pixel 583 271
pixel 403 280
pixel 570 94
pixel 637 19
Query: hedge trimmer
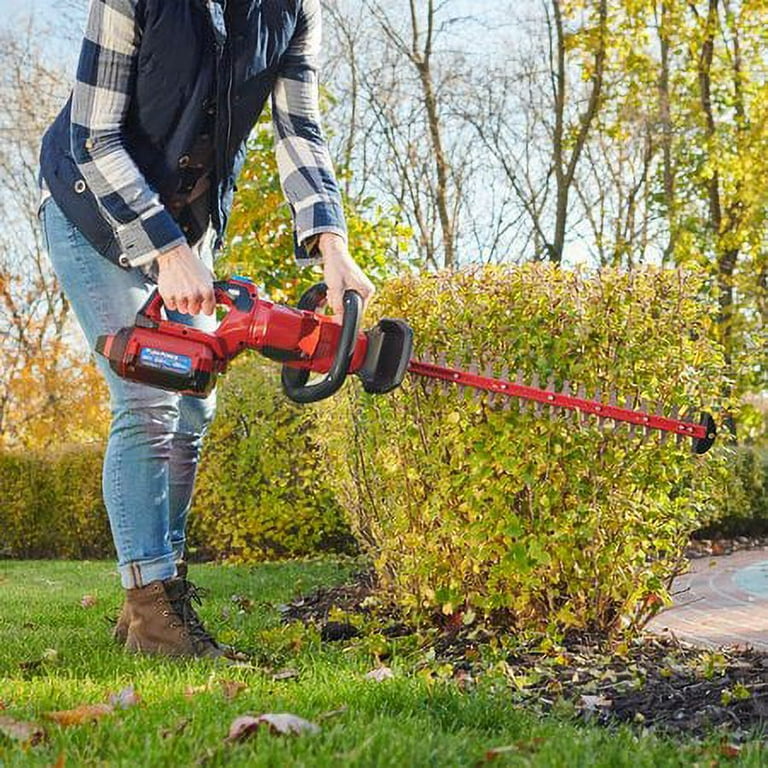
pixel 169 355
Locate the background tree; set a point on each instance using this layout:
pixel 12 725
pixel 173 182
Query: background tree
pixel 48 391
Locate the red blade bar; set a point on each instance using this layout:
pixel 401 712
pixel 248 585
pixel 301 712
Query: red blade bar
pixel 511 389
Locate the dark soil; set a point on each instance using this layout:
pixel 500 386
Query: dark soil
pixel 652 683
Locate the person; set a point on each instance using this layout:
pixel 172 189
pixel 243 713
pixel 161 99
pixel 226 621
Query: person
pixel 138 173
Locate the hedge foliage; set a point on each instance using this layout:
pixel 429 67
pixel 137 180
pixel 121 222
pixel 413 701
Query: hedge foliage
pixel 262 491
pixel 51 506
pixel 743 511
pixel 467 508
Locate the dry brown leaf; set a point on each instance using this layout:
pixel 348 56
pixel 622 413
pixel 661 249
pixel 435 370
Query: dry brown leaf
pixel 380 674
pixel 85 713
pixel 18 730
pixel 88 601
pixel 231 688
pixel 730 750
pixel 193 690
pixel 280 724
pixel 61 761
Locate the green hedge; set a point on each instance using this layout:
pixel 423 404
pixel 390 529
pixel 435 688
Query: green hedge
pixel 743 511
pixel 542 525
pixel 51 506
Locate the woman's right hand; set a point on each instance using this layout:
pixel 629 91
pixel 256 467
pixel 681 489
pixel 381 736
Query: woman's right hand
pixel 184 282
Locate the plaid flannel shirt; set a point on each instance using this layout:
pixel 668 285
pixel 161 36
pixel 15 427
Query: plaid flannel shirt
pixel 100 103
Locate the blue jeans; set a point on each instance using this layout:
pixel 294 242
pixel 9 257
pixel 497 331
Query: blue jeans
pixel 155 436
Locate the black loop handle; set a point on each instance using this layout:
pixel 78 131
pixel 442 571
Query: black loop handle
pixel 294 380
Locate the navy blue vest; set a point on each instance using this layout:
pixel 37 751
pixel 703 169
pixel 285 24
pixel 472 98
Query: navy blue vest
pixel 186 66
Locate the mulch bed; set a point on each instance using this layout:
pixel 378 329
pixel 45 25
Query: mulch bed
pixel 652 683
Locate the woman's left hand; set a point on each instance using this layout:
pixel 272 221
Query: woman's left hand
pixel 342 272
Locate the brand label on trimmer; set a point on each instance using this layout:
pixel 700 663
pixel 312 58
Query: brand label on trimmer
pixel 165 361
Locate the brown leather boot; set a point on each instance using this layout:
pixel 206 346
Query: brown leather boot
pixel 163 621
pixel 120 630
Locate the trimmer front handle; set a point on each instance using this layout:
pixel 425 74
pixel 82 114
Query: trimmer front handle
pixel 294 380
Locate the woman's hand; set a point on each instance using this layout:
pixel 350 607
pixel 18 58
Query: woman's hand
pixel 184 282
pixel 342 272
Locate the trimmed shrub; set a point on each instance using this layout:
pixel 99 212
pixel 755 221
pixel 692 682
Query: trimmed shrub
pixel 524 517
pixel 51 506
pixel 262 491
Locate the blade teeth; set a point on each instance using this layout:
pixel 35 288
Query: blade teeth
pixel 628 403
pixel 490 397
pixel 568 413
pixel 613 400
pixel 536 385
pixel 519 403
pixel 598 398
pixel 472 392
pixel 504 401
pixel 581 393
pixel 443 363
pixel 428 384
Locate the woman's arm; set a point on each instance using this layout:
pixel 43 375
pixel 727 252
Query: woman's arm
pixel 304 163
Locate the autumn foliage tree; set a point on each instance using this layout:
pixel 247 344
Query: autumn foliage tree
pixel 49 389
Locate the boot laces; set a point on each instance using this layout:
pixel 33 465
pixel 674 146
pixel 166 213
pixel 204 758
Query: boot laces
pixel 192 594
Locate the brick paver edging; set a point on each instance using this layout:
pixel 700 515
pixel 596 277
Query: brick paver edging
pixel 721 601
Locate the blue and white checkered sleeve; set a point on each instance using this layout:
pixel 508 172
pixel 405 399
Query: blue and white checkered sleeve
pixel 306 170
pixel 100 100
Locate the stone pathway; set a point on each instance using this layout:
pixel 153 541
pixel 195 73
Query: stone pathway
pixel 720 601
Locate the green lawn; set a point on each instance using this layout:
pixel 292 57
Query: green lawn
pixel 56 654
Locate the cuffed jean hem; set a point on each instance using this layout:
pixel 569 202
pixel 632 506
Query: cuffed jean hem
pixel 138 574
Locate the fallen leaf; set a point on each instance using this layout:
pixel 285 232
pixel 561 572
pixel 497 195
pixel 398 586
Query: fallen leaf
pixel 380 674
pixel 280 724
pixel 231 688
pixel 88 601
pixel 242 727
pixel 86 713
pixel 61 760
pixel 125 698
pixel 730 750
pixel 18 730
pixel 193 690
pixel 285 723
pixel 285 674
pixel 3 705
